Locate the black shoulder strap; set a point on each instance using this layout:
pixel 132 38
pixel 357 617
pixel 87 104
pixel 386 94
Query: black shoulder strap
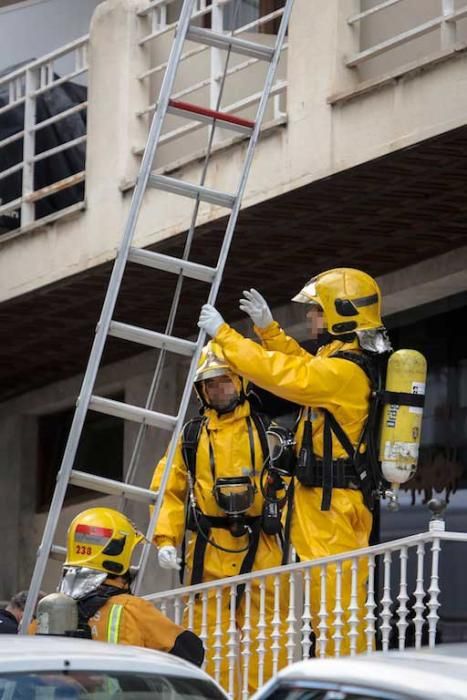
pixel 190 438
pixel 365 361
pixel 261 423
pixel 367 480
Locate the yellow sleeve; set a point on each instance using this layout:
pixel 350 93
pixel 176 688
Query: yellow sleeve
pixel 160 633
pixel 170 526
pixel 306 380
pixel 274 338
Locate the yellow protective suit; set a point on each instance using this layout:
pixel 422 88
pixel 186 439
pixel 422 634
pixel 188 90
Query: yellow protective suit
pixel 232 455
pixel 340 386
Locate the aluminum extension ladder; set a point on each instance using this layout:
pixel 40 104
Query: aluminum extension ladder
pixel 182 267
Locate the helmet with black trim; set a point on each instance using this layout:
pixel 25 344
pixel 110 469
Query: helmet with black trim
pixel 102 539
pixel 349 298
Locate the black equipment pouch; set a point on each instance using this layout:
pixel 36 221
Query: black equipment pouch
pixel 305 470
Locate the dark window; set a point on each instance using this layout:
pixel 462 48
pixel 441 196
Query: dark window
pixel 100 452
pixel 436 331
pixel 241 12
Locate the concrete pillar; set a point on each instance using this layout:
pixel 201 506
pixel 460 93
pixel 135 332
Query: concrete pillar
pixel 115 96
pixel 319 41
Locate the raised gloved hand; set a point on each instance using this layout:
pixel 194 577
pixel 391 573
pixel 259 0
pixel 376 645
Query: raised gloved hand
pixel 256 306
pixel 167 557
pixel 210 320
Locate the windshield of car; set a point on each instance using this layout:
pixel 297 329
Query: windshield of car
pixel 99 685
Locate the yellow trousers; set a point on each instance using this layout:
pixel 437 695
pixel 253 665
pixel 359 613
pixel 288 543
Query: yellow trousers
pixel 315 534
pixel 245 644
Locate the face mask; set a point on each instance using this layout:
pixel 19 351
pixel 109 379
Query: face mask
pixel 78 582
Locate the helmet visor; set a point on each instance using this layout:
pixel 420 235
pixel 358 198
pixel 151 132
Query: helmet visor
pixel 78 581
pixel 307 295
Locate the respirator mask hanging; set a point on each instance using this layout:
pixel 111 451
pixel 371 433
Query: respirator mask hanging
pixel 281 443
pixel 235 495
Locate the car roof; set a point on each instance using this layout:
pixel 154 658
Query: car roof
pixel 44 652
pixel 430 673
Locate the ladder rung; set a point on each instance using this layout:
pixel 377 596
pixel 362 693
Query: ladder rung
pixel 187 189
pixel 203 114
pixel 151 338
pixel 134 413
pixel 111 487
pixel 224 41
pixel 58 553
pixel 167 263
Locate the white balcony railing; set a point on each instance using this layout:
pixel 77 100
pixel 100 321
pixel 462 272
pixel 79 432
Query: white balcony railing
pixel 22 90
pixel 205 90
pixel 445 21
pixel 404 583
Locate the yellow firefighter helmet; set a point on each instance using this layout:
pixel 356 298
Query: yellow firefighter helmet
pixel 212 363
pixel 350 299
pixel 102 539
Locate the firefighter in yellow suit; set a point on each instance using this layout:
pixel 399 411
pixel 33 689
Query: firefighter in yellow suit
pixel 96 574
pixel 330 514
pixel 227 456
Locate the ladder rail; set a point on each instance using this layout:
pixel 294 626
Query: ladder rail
pixel 106 317
pixel 194 364
pixel 157 376
pixel 215 287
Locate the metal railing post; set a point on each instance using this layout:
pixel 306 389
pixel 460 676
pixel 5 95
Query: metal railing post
pixel 448 27
pixel 216 62
pixel 29 143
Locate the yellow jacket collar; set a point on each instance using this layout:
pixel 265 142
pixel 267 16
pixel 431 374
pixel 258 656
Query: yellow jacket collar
pixel 336 346
pixel 216 421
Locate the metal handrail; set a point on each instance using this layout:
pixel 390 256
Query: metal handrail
pixel 372 11
pixel 26 84
pixel 447 17
pixel 52 56
pixel 374 550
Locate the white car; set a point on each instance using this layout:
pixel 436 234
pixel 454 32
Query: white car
pixel 427 674
pixel 64 668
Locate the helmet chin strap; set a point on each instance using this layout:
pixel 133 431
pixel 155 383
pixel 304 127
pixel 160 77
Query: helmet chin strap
pixel 236 401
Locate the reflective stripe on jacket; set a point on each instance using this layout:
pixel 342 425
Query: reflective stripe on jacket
pixel 127 619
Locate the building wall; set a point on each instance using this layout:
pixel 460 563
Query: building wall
pixel 325 134
pixel 34 28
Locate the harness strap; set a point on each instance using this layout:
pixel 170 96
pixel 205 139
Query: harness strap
pixel 211 522
pixel 288 522
pixel 249 559
pixel 328 466
pixel 402 398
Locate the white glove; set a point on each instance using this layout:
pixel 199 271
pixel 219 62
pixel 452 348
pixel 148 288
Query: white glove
pixel 167 557
pixel 256 306
pixel 210 320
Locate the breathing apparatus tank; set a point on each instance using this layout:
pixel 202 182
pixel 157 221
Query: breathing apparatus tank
pixel 57 614
pixel 401 419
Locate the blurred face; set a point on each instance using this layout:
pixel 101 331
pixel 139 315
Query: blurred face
pixel 315 321
pixel 220 392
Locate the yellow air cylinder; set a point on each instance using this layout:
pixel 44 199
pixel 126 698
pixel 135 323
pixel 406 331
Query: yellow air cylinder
pixel 401 424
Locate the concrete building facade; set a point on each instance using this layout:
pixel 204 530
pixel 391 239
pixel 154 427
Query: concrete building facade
pixel 361 164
